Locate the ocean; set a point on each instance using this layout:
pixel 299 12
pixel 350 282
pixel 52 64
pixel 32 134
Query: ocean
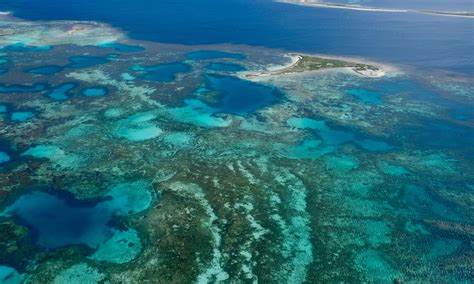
pixel 402 38
pixel 246 141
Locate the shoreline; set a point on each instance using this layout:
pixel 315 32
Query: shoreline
pixel 447 14
pixel 91 32
pixel 355 66
pixel 76 32
pixel 329 5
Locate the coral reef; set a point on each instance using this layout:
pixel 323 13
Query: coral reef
pixel 155 161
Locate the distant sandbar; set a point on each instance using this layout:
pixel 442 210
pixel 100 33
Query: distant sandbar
pixel 374 9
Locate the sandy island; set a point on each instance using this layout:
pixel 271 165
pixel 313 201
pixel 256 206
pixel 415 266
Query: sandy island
pixel 302 63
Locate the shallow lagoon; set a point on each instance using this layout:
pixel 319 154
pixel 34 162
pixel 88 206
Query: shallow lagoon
pixel 138 127
pixel 95 92
pixel 257 180
pixel 61 92
pixel 337 136
pixel 4 157
pixel 22 115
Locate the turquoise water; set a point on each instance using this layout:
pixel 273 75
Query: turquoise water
pixel 198 113
pixel 192 142
pixel 95 92
pixel 365 96
pixel 335 137
pixel 61 92
pixel 9 275
pixel 127 76
pixel 21 47
pixel 138 127
pixel 22 115
pixel 6 153
pixel 4 157
pixel 140 160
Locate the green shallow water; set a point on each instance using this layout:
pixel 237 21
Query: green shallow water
pixel 200 175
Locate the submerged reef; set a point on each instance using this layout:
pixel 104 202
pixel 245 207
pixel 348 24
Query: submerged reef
pixel 132 161
pixel 20 35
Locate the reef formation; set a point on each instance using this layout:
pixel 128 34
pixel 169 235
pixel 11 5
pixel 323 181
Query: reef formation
pixel 126 161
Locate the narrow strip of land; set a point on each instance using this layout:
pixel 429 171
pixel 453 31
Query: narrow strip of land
pixel 305 63
pixel 374 9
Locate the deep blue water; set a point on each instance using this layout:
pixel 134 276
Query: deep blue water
pixel 238 96
pixel 227 67
pixel 5 89
pixel 213 54
pixel 86 61
pixel 45 70
pixel 419 40
pixel 60 219
pixel 440 134
pixel 57 218
pixel 424 133
pixel 165 72
pixel 122 47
